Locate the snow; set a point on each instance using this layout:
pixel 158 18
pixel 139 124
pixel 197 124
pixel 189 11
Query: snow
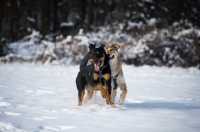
pixel 31 19
pixel 152 22
pixel 67 24
pixel 184 32
pixel 44 99
pixel 197 32
pixel 133 24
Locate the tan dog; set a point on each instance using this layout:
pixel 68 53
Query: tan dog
pixel 116 74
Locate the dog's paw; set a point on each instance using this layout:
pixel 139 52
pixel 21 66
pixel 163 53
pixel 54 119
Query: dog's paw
pixel 85 100
pixel 108 100
pixel 112 106
pixel 121 101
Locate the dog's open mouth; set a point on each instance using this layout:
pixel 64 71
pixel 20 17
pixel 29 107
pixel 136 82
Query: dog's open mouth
pixel 97 66
pixel 112 57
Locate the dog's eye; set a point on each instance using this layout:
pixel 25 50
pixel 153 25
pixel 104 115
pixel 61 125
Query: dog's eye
pixel 110 49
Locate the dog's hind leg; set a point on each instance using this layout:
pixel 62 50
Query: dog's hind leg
pixel 80 83
pixel 89 90
pixel 123 88
pixel 94 95
pixel 80 97
pixel 109 95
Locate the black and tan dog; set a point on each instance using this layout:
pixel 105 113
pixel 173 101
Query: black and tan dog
pixel 117 77
pixel 97 75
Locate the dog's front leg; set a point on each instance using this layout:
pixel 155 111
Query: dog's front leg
pixel 80 97
pixel 108 96
pixel 102 90
pixel 113 95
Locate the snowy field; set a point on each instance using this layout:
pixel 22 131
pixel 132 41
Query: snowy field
pixel 44 99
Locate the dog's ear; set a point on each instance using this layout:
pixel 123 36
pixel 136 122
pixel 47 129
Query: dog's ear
pixel 91 47
pixel 102 46
pixel 116 46
pixel 107 49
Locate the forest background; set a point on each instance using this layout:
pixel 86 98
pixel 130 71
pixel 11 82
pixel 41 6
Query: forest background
pixel 57 32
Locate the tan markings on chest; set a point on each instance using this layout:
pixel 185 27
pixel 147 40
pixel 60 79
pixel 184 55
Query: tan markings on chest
pixel 95 76
pixel 105 76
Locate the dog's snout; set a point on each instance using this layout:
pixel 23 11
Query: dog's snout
pixel 96 59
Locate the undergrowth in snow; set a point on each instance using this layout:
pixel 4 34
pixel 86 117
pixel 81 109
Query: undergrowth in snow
pixel 141 44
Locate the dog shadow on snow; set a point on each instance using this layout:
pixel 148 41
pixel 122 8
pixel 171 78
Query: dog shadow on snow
pixel 161 105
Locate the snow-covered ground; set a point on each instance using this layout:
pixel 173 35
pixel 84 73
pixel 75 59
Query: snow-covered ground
pixel 44 99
